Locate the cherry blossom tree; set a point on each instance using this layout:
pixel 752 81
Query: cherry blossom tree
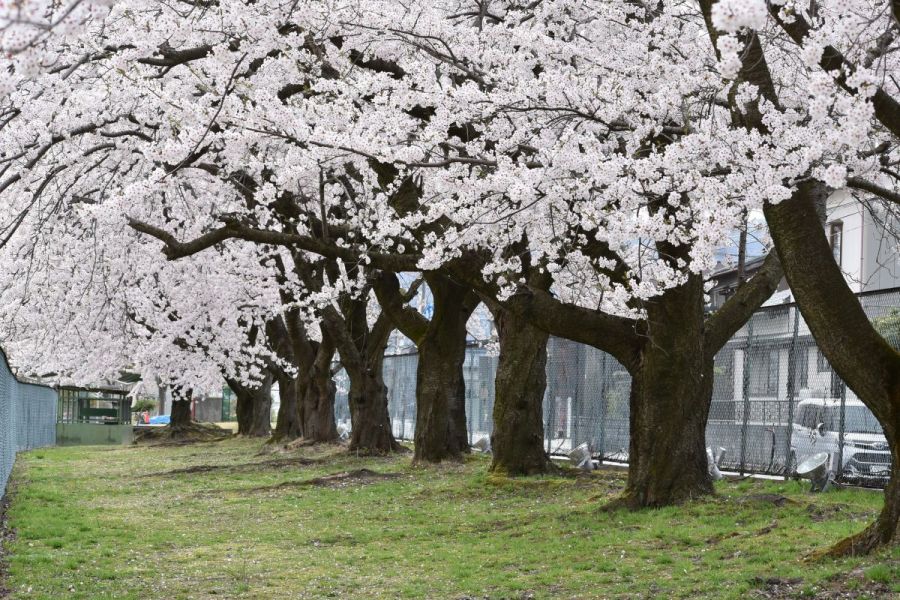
pixel 84 299
pixel 844 92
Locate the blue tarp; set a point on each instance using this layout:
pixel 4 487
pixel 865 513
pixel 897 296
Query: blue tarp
pixel 159 420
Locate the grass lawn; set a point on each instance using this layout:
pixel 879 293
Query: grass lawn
pixel 216 520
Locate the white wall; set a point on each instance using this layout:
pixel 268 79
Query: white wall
pixel 870 256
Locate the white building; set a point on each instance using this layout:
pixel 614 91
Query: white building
pixel 773 360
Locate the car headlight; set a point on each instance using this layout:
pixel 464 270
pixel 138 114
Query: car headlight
pixel 860 445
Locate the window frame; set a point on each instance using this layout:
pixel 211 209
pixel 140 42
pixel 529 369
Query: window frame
pixel 836 240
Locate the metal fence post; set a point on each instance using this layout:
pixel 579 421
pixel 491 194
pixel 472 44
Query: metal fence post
pixel 576 409
pixel 746 394
pixel 548 394
pixel 403 404
pixel 792 373
pixel 601 438
pixel 469 402
pixel 840 462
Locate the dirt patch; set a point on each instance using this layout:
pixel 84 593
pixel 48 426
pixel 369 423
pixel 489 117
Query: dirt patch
pixel 7 535
pixel 774 499
pixel 854 585
pixel 335 481
pixel 733 534
pixel 828 511
pixel 278 463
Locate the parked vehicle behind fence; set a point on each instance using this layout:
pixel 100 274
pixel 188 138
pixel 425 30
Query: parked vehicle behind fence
pixel 863 454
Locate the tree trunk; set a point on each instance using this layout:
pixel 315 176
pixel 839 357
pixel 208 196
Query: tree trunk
pixel 261 425
pixel 440 387
pixel 671 391
pixel 243 409
pixel 180 417
pixel 438 383
pixel 362 355
pixel 372 432
pixel 517 441
pixel 317 407
pixel 288 424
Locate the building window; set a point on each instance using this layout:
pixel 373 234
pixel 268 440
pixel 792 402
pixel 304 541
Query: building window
pixel 764 373
pixel 836 239
pixel 801 369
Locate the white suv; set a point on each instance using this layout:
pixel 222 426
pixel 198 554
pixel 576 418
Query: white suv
pixel 866 455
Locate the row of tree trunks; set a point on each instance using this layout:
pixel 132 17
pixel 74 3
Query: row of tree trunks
pixel 254 406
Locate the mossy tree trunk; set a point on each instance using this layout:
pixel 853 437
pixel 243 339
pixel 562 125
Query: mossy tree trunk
pixel 441 431
pixel 282 332
pixel 307 396
pixel 243 409
pixel 368 401
pixel 517 441
pixel 287 422
pixel 671 391
pixel 362 353
pixel 317 400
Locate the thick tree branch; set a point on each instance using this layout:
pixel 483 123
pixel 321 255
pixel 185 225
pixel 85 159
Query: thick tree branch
pixel 175 249
pixel 854 348
pixel 409 321
pixel 616 335
pixel 867 186
pixel 336 327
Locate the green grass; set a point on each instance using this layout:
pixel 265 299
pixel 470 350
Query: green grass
pixel 91 524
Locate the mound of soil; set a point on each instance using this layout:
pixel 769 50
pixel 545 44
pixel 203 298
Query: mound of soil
pixel 282 447
pixel 178 436
pixel 277 463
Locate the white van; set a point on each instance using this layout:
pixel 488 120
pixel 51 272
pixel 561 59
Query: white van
pixel 816 428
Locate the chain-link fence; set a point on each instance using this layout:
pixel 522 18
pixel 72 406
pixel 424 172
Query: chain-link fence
pixel 776 400
pixel 27 418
